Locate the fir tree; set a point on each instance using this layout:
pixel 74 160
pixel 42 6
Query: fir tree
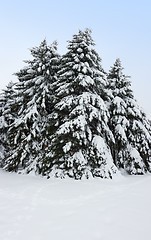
pixel 29 134
pixel 81 135
pixel 6 119
pixel 129 125
pixel 2 131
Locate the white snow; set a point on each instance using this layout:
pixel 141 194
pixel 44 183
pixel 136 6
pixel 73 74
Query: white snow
pixel 108 168
pixel 120 105
pixel 67 147
pixel 34 208
pixel 134 154
pixel 80 50
pixel 30 71
pixel 78 156
pixel 86 80
pixel 80 122
pixel 120 131
pixel 39 80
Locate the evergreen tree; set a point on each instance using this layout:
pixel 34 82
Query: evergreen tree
pixel 81 134
pixel 129 125
pixel 6 119
pixel 2 132
pixel 29 134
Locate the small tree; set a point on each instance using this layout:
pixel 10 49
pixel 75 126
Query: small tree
pixel 6 119
pixel 129 125
pixel 2 130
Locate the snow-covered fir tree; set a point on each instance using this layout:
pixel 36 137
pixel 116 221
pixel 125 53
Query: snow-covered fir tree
pixel 81 134
pixel 6 119
pixel 29 134
pixel 66 117
pixel 2 132
pixel 129 125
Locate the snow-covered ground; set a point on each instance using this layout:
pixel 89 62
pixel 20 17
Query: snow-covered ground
pixel 34 208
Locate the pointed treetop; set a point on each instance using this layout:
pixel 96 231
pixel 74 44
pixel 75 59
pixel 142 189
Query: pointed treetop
pixel 36 50
pixel 83 38
pixel 116 70
pixel 54 45
pixel 10 84
pixel 43 49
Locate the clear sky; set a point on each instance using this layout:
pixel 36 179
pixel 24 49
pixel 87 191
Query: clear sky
pixel 119 28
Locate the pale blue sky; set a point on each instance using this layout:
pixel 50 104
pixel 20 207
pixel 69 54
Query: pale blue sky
pixel 119 28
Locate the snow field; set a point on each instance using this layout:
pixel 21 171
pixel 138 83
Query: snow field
pixel 35 208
